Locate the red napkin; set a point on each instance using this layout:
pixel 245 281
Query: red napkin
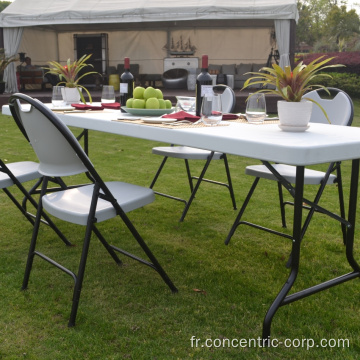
pixel 87 107
pixel 114 105
pixel 229 117
pixel 182 115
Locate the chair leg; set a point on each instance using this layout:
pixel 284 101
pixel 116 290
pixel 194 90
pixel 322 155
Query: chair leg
pixel 31 253
pixel 192 196
pixel 242 210
pixel 341 201
pixel 154 262
pixel 22 208
pixel 230 186
pixel 158 172
pixel 80 275
pixel 282 205
pixel 188 172
pixel 107 246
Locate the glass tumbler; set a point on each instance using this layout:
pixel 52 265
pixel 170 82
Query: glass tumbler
pixel 57 98
pixel 211 109
pixel 256 108
pixel 108 94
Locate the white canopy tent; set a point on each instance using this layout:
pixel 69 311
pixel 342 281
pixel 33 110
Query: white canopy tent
pixel 44 29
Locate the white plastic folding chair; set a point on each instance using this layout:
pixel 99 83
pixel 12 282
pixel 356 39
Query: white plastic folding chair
pixel 15 175
pixel 340 111
pixel 187 153
pixel 60 155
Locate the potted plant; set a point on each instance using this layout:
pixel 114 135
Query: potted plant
pixel 4 62
pixel 69 76
pixel 291 85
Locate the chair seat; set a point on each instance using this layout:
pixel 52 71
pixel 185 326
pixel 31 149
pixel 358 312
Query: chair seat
pixel 23 171
pixel 73 205
pixel 185 152
pixel 311 177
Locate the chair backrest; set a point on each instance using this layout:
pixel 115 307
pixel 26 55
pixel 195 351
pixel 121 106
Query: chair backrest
pixel 339 107
pixel 57 149
pixel 228 98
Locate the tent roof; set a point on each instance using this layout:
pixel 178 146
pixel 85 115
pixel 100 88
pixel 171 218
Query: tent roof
pixel 55 12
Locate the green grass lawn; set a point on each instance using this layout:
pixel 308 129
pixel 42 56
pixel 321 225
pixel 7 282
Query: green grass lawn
pixel 224 293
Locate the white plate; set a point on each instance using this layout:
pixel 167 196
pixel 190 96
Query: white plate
pixel 61 108
pixel 147 112
pixel 293 128
pixel 157 120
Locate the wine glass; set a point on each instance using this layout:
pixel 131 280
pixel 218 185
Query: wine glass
pixel 57 98
pixel 185 103
pixel 108 94
pixel 256 108
pixel 211 109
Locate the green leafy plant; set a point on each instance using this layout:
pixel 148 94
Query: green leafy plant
pixel 69 73
pixel 291 85
pixel 4 62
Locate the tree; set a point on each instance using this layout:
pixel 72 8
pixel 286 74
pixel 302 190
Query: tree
pixel 326 24
pixel 341 24
pixel 4 4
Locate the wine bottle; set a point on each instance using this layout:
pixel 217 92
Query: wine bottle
pixel 126 83
pixel 203 82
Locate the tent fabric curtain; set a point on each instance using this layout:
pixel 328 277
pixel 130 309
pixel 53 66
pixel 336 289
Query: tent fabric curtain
pixel 282 30
pixel 12 39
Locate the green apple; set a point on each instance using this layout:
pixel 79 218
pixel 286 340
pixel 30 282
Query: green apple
pixel 152 103
pixel 168 104
pixel 139 92
pixel 149 92
pixel 138 104
pixel 162 104
pixel 129 103
pixel 159 94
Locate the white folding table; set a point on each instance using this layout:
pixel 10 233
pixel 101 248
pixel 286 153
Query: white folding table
pixel 319 144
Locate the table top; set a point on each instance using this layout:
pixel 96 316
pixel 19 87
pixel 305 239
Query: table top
pixel 321 143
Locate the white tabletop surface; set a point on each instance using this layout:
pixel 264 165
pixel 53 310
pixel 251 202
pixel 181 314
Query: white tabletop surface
pixel 319 144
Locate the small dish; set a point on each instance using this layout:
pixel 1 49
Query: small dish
pixel 293 128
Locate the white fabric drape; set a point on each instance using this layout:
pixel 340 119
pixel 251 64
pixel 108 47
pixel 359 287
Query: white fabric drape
pixel 282 30
pixel 12 39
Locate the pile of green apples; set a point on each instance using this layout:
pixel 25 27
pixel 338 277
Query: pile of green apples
pixel 149 98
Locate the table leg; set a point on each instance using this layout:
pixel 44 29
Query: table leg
pixel 352 215
pixel 284 299
pixel 297 233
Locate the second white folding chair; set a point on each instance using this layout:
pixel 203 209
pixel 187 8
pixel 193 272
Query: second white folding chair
pixel 340 110
pixel 187 153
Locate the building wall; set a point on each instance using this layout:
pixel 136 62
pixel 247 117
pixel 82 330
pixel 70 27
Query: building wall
pixel 147 47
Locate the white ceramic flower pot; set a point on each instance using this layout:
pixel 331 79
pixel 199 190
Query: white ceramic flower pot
pixel 71 95
pixel 294 116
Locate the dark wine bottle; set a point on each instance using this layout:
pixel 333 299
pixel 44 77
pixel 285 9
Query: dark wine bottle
pixel 126 83
pixel 203 81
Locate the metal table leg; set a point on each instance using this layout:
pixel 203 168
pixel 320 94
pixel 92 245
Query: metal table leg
pixel 298 200
pixel 284 299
